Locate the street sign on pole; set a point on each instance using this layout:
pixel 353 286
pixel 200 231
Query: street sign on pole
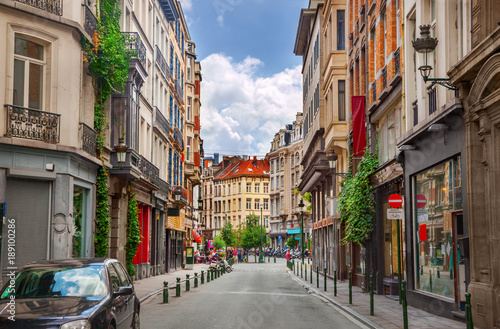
pixel 395 201
pixel 395 214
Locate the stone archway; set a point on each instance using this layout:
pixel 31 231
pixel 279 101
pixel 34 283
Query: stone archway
pixel 482 117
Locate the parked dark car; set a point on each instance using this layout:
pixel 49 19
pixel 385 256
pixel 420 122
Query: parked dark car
pixel 85 293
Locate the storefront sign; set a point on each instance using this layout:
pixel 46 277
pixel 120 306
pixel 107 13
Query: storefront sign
pixel 395 214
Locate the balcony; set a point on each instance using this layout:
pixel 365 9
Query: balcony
pixel 149 172
pixel 33 124
pixel 90 24
pixel 162 63
pixel 178 89
pixel 89 139
pixel 161 123
pixel 169 9
pixel 178 138
pixel 135 43
pixel 51 6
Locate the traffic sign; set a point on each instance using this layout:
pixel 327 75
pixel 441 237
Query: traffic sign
pixel 421 201
pixel 395 214
pixel 395 201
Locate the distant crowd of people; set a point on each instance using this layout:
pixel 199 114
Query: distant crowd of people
pixel 200 256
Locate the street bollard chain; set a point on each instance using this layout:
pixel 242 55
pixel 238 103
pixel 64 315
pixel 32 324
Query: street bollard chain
pixel 178 288
pixel 165 292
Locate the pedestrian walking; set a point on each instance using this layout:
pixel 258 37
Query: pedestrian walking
pixel 288 255
pixel 239 255
pixel 235 253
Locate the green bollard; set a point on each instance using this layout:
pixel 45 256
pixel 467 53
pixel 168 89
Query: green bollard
pixel 178 288
pixel 208 275
pixel 439 274
pixel 317 277
pixel 350 287
pixel 405 305
pixel 325 277
pixel 165 292
pixel 274 259
pixel 202 277
pixel 188 284
pixel 468 310
pixel 430 279
pixel 301 271
pixel 311 273
pixel 195 280
pixel 305 272
pixel 335 283
pixel 268 259
pixel 212 274
pixel 371 295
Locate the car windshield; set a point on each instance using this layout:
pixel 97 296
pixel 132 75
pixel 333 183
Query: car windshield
pixel 58 282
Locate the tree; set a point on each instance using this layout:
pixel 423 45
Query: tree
pixel 228 235
pixel 291 242
pixel 219 243
pixel 251 235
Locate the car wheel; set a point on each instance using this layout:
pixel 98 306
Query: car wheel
pixel 137 320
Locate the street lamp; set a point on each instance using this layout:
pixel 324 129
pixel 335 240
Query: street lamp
pixel 332 161
pixel 425 45
pixel 261 256
pixel 121 150
pixel 301 206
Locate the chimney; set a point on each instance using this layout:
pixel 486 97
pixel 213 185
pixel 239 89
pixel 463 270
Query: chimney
pixel 255 157
pixel 216 158
pixel 245 157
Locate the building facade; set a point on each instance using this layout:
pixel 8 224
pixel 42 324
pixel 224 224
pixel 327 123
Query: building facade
pixel 285 171
pixel 47 144
pixel 476 76
pixel 434 159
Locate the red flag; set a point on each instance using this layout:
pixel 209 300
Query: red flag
pixel 358 124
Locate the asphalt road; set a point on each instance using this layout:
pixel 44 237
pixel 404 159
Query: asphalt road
pixel 252 296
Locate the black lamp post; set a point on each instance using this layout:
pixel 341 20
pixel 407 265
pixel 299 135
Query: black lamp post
pixel 301 206
pixel 425 45
pixel 332 161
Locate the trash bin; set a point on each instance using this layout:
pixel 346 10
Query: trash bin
pixel 189 258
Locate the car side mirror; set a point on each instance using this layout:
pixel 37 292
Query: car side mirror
pixel 124 291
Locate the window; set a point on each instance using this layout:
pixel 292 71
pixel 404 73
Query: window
pixel 29 67
pixel 239 204
pixel 257 187
pixel 239 187
pixel 188 148
pixel 282 181
pixel 249 204
pixel 341 100
pixel 249 187
pixel 266 204
pixel 266 188
pixel 229 190
pixel 257 204
pixel 340 29
pixel 188 115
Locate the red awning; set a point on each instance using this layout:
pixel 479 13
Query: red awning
pixel 196 237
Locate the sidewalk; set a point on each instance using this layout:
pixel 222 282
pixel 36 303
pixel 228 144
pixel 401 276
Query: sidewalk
pixel 388 313
pixel 154 285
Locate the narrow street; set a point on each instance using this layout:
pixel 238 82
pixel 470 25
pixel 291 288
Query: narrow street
pixel 252 296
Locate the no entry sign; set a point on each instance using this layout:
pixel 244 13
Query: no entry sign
pixel 395 201
pixel 421 201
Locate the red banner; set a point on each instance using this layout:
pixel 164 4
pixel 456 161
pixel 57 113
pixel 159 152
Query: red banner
pixel 422 232
pixel 358 124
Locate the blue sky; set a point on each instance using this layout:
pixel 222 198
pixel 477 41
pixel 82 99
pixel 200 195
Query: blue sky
pixel 251 79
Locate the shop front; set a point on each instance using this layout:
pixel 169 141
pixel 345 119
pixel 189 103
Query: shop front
pixel 175 249
pixel 141 259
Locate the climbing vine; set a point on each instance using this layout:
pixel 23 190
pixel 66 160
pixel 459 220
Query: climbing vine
pixel 108 63
pixel 356 204
pixel 133 231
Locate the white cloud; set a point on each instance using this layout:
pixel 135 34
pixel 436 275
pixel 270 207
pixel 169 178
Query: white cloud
pixel 241 112
pixel 186 4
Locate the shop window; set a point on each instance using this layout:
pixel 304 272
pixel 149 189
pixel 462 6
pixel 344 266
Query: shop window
pixel 81 220
pixel 436 196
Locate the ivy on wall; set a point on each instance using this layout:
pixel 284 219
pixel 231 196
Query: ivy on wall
pixel 133 231
pixel 108 63
pixel 356 203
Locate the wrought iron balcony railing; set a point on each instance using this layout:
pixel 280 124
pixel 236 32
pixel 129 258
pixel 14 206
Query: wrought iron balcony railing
pixel 178 89
pixel 33 124
pixel 90 21
pixel 162 63
pixel 135 43
pixel 178 138
pixel 89 139
pixel 51 6
pixel 396 61
pixel 149 171
pixel 162 123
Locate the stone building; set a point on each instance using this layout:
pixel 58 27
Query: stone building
pixel 285 171
pixel 477 75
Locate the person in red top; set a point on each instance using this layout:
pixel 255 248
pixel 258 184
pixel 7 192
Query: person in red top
pixel 288 256
pixel 235 253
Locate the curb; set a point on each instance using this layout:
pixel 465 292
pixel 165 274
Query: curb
pixel 344 309
pixel 152 293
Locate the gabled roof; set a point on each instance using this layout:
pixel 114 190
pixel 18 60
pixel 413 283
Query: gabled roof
pixel 245 168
